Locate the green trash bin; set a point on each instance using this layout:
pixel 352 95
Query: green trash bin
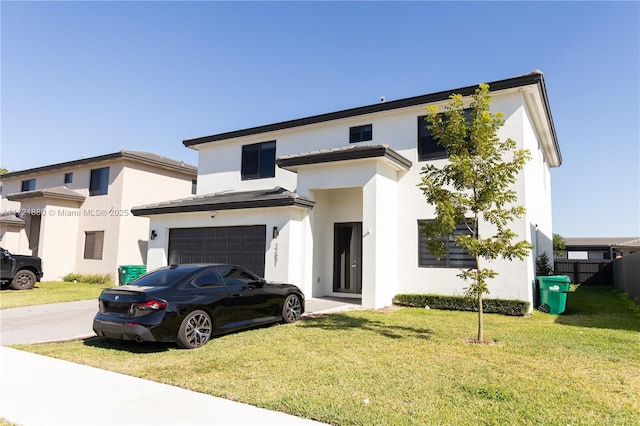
pixel 128 273
pixel 553 293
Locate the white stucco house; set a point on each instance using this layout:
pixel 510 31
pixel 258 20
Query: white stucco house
pixel 76 215
pixel 330 202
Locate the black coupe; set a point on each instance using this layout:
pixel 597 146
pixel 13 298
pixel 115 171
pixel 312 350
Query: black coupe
pixel 188 304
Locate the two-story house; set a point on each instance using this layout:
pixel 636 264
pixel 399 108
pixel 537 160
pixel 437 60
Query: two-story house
pixel 77 216
pixel 330 202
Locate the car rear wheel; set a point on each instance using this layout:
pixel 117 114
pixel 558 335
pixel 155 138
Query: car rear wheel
pixel 195 330
pixel 23 280
pixel 292 309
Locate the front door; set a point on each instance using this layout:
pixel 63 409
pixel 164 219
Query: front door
pixel 347 257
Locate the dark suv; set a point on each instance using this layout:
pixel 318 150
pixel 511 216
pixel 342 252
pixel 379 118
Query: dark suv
pixel 19 271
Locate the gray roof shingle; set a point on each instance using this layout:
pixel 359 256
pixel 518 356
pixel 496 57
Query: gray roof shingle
pixel 276 197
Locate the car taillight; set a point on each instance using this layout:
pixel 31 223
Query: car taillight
pixel 156 305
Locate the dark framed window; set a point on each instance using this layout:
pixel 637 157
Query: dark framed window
pixel 99 181
pixel 235 276
pixel 28 185
pixel 68 177
pixel 194 186
pixel 259 160
pixel 210 278
pixel 455 257
pixel 361 133
pixel 93 245
pixel 428 147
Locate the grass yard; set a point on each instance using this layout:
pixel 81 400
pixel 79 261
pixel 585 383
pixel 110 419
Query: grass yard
pixel 412 366
pixel 49 292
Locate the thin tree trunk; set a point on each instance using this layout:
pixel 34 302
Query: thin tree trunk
pixel 480 322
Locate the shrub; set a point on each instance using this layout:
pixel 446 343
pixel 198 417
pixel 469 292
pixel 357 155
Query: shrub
pixel 543 265
pixel 461 303
pixel 102 279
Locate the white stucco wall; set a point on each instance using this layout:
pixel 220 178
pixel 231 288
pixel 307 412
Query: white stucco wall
pixel 283 254
pixel 386 201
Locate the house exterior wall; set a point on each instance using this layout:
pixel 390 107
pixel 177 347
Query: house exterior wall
pixel 385 199
pixel 282 254
pixel 64 223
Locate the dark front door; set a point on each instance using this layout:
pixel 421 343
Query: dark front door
pixel 347 257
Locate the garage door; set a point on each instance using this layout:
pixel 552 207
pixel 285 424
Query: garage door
pixel 238 245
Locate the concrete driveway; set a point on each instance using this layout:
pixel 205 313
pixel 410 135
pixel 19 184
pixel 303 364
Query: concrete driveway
pixel 74 320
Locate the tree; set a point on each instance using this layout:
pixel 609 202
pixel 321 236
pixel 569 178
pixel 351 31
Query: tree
pixel 3 171
pixel 559 245
pixel 474 184
pixel 543 265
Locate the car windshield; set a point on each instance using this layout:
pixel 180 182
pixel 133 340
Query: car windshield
pixel 165 277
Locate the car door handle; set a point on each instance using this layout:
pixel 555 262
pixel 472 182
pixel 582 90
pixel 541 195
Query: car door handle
pixel 236 294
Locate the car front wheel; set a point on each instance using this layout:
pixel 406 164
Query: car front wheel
pixel 292 309
pixel 195 330
pixel 23 280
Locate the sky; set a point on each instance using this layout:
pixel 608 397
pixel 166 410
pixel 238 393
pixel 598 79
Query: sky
pixel 80 79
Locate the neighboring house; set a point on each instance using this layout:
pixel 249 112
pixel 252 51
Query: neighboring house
pixel 599 248
pixel 76 215
pixel 330 202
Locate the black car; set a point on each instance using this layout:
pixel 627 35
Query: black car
pixel 188 304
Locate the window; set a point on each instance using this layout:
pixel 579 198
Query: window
pixel 99 183
pixel 428 148
pixel 361 133
pixel 93 244
pixel 455 257
pixel 259 160
pixel 210 278
pixel 68 177
pixel 28 185
pixel 194 186
pixel 236 276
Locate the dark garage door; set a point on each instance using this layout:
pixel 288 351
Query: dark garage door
pixel 238 245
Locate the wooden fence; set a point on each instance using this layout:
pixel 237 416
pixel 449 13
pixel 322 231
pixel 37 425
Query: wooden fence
pixel 586 272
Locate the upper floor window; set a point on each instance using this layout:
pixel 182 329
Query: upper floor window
pixel 194 186
pixel 361 133
pixel 455 257
pixel 99 182
pixel 68 177
pixel 259 160
pixel 28 185
pixel 428 147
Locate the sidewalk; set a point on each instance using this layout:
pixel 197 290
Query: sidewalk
pixel 38 390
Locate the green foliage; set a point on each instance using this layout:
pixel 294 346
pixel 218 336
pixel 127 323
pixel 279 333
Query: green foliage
pixel 474 185
pixel 460 303
pixel 559 245
pixel 543 265
pixel 3 171
pixel 102 279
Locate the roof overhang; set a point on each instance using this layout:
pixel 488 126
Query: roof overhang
pixel 140 157
pixel 11 220
pixel 60 193
pixel 538 99
pixel 355 152
pixel 277 197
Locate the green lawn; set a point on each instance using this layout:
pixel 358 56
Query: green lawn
pixel 412 366
pixel 49 292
